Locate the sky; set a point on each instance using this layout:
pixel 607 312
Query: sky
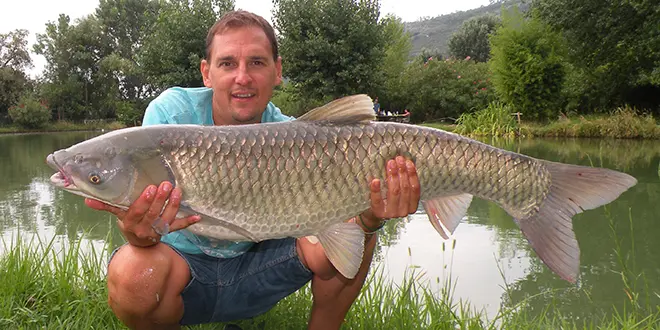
pixel 34 14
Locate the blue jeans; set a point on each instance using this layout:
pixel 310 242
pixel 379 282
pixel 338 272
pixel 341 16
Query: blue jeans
pixel 222 290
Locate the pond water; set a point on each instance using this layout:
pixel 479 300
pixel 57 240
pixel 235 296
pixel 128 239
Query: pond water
pixel 487 259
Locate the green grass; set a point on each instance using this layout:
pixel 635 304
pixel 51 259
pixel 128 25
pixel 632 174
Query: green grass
pixel 624 122
pixel 44 287
pixel 63 126
pixel 496 120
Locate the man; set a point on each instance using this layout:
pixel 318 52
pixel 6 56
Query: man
pixel 162 282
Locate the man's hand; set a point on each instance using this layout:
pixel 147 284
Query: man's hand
pixel 403 193
pixel 136 222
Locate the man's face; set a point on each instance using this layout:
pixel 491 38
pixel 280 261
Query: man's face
pixel 242 74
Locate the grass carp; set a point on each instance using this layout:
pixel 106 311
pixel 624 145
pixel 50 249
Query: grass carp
pixel 306 177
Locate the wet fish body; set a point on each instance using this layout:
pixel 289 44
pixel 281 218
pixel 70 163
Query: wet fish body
pixel 306 177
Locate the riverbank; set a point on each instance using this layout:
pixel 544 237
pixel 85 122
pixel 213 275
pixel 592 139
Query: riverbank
pixel 64 126
pixel 64 288
pixel 623 123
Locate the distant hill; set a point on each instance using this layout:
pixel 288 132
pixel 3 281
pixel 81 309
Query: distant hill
pixel 433 34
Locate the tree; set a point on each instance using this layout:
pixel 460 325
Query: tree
pixel 330 48
pixel 14 59
pixel 615 44
pixel 13 50
pixel 527 65
pixel 471 39
pixel 76 86
pixel 397 49
pixel 126 24
pixel 171 54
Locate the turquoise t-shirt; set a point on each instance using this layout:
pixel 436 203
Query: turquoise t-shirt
pixel 179 105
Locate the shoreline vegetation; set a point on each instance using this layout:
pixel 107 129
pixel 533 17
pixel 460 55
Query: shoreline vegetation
pixel 62 286
pixel 495 121
pixel 63 126
pixel 499 121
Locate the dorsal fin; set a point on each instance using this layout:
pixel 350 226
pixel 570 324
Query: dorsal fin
pixel 349 109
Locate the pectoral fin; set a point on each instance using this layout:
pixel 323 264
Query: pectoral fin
pixel 186 209
pixel 344 246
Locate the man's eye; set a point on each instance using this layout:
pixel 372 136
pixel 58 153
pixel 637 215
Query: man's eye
pixel 257 63
pixel 225 64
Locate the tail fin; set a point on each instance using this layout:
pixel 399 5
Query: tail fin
pixel 573 190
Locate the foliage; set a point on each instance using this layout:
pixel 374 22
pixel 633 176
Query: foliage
pixel 397 48
pixel 127 24
pixel 624 122
pixel 110 64
pixel 13 84
pixel 614 44
pixel 293 103
pixel 172 53
pixel 472 38
pixel 495 120
pixel 13 50
pixel 434 33
pixel 527 65
pixel 14 59
pixel 76 87
pixel 330 48
pixel 438 90
pixel 30 112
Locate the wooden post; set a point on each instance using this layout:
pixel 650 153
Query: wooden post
pixel 518 114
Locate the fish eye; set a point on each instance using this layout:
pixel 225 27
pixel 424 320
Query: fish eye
pixel 78 159
pixel 94 178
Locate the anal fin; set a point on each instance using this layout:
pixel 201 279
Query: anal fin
pixel 446 212
pixel 344 246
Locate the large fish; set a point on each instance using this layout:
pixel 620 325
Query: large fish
pixel 306 177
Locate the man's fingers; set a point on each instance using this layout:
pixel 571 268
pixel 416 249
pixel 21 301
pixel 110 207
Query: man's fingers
pixel 98 205
pixel 172 208
pixel 156 207
pixel 404 183
pixel 415 190
pixel 182 223
pixel 140 206
pixel 393 189
pixel 377 202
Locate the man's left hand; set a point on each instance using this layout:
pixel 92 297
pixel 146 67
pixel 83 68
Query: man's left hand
pixel 403 194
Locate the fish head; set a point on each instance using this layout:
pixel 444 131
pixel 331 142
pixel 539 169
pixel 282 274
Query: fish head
pixel 99 171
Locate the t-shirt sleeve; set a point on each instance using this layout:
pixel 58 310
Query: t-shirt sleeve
pixel 274 114
pixel 154 115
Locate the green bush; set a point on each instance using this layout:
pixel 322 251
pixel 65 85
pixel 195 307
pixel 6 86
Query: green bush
pixel 495 120
pixel 128 113
pixel 30 112
pixel 292 103
pixel 440 89
pixel 527 63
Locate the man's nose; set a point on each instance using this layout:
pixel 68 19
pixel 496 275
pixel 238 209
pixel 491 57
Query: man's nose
pixel 243 75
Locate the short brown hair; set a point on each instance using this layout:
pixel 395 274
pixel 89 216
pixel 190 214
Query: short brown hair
pixel 238 19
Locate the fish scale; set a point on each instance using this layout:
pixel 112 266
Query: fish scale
pixel 243 183
pixel 308 176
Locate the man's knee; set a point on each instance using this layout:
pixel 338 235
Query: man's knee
pixel 137 278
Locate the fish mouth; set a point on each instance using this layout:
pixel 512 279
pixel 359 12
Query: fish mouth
pixel 59 179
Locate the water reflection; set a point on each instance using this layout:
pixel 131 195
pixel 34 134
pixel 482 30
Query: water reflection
pixel 489 255
pixel 489 242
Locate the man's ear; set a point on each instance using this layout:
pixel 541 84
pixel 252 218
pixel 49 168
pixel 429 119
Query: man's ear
pixel 205 67
pixel 278 68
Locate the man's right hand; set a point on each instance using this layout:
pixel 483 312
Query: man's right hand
pixel 136 223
